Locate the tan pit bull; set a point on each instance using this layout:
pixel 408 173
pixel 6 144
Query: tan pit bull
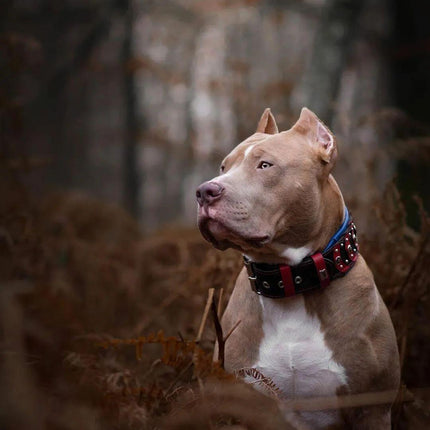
pixel 311 317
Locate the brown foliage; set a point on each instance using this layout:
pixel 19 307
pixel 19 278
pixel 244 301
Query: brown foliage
pixel 82 291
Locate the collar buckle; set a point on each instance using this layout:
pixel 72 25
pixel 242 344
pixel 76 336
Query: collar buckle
pixel 251 275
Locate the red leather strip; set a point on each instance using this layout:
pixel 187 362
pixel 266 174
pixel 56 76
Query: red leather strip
pixel 287 280
pixel 353 255
pixel 321 269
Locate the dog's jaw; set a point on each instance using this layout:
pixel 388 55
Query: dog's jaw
pixel 222 237
pixel 222 233
pixel 216 229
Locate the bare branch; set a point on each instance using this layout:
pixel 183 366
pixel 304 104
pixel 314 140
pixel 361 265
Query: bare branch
pixel 205 314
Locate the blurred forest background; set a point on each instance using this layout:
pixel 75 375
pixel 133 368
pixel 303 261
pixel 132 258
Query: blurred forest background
pixel 112 112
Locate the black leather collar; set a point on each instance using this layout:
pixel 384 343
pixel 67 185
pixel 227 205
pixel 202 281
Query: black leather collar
pixel 316 271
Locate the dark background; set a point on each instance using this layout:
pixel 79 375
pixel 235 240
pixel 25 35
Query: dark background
pixel 411 81
pixel 105 95
pixel 112 112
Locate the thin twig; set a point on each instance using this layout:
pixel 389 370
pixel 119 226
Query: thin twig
pixel 205 314
pixel 219 306
pixel 232 330
pixel 181 373
pixel 219 335
pixel 348 401
pixel 151 369
pixel 200 332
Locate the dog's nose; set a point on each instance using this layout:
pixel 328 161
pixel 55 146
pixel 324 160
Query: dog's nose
pixel 208 192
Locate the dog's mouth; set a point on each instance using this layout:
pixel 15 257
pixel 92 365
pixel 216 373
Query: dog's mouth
pixel 222 236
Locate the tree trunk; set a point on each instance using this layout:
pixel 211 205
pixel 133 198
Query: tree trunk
pixel 131 179
pixel 320 84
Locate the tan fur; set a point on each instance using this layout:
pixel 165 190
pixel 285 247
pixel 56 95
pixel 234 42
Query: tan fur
pixel 246 337
pixel 297 203
pixel 267 123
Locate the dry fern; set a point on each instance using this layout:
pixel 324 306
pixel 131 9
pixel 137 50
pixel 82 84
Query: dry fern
pixel 84 275
pixel 262 381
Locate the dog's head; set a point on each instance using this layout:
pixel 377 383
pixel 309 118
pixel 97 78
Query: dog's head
pixel 269 190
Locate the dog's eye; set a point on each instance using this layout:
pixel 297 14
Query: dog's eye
pixel 264 165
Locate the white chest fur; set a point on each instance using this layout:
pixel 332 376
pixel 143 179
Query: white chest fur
pixel 293 353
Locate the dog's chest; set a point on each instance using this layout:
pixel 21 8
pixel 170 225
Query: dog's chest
pixel 294 354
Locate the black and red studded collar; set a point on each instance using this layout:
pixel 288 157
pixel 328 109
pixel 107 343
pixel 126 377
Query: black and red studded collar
pixel 314 272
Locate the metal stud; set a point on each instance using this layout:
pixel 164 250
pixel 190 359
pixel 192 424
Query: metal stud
pixel 338 260
pixel 346 261
pixel 341 266
pixel 266 284
pixel 342 245
pixel 298 279
pixel 280 284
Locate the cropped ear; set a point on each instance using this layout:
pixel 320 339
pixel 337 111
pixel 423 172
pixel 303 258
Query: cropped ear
pixel 267 123
pixel 319 135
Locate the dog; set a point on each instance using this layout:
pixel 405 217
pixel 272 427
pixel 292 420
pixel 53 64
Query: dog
pixel 311 317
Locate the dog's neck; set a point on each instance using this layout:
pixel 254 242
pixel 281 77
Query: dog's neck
pixel 330 217
pixel 314 272
pixel 333 214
